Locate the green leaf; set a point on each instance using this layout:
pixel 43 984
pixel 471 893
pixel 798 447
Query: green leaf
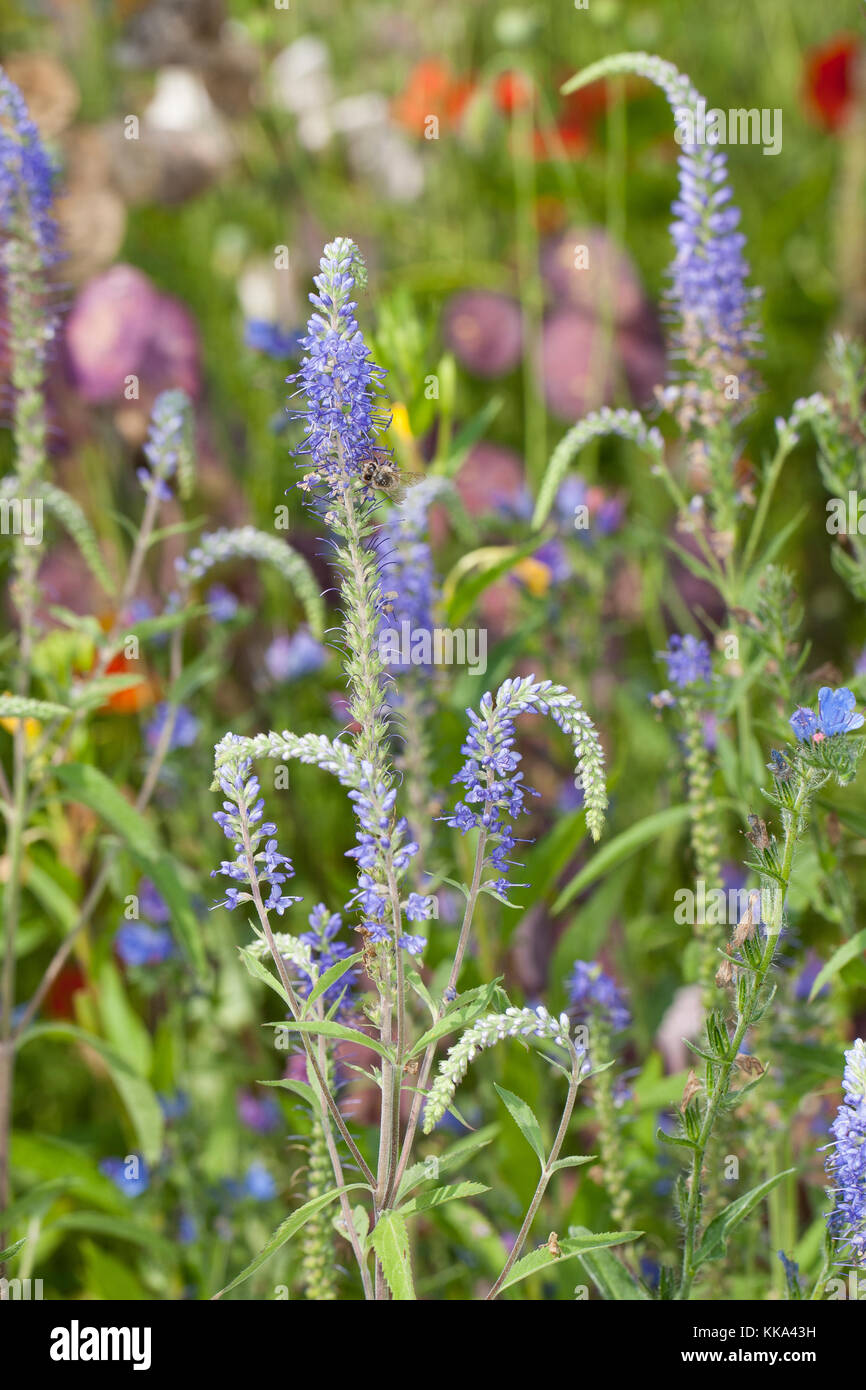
pixel 848 951
pixel 120 1023
pixel 93 789
pixel 525 1120
pixel 290 1227
pixel 390 1240
pixel 331 976
pixel 715 1238
pixel 678 1141
pixel 137 1095
pixel 572 1161
pixel 461 594
pixel 327 1029
pixel 610 1276
pixel 572 1246
pixel 260 971
pixel 437 1196
pixel 621 848
pixel 12 1250
pixel 300 1088
pixel 453 1156
pixel 116 1228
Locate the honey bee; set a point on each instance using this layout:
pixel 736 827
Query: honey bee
pixel 381 471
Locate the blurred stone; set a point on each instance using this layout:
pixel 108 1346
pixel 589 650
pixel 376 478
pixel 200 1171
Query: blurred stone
pixel 92 227
pixel 51 93
pixel 377 150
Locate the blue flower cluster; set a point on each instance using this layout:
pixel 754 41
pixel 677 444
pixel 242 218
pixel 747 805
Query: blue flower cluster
pixel 688 660
pixel 167 442
pixel 847 1162
pixel 26 175
pixel 379 838
pixel 136 943
pixel 241 822
pixel 336 375
pixel 709 272
pixel 406 569
pixel 490 772
pixel 593 993
pixel 327 951
pixel 837 714
pixel 492 780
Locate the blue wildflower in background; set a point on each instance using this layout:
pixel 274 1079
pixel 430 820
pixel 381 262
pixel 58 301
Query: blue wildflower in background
pixel 594 993
pixel 326 952
pixel 258 1183
pixel 184 731
pixel 261 1114
pixel 837 714
pixel 846 1164
pixel 688 660
pixel 131 1174
pixel 271 339
pixel 138 944
pixel 26 176
pixel 168 448
pixel 223 604
pixel 290 658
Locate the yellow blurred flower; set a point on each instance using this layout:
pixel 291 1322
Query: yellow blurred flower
pixel 535 575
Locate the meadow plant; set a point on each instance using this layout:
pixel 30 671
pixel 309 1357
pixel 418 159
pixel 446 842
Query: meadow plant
pixel 448 807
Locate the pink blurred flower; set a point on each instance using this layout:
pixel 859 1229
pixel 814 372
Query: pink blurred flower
pixel 484 331
pixel 122 326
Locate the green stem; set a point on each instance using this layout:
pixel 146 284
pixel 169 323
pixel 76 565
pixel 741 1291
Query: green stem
pixel 722 1075
pixel 577 1059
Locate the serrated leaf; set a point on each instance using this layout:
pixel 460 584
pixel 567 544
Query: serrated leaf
pixel 572 1161
pixel 610 1276
pixel 328 1029
pixel 715 1238
pixel 438 1196
pixel 290 1227
pixel 331 976
pixel 390 1240
pixel 456 1154
pixel 525 1120
pixel 260 971
pixel 570 1247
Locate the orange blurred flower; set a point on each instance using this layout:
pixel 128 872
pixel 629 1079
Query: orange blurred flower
pixel 431 90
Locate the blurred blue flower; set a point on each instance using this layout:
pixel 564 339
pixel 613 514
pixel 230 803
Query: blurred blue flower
pixel 289 658
pixel 138 944
pixel 185 730
pixel 130 1174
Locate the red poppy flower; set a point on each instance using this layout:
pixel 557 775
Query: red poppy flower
pixel 512 91
pixel 829 80
pixel 431 90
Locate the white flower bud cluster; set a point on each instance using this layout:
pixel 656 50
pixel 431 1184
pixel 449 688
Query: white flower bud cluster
pixel 514 1023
